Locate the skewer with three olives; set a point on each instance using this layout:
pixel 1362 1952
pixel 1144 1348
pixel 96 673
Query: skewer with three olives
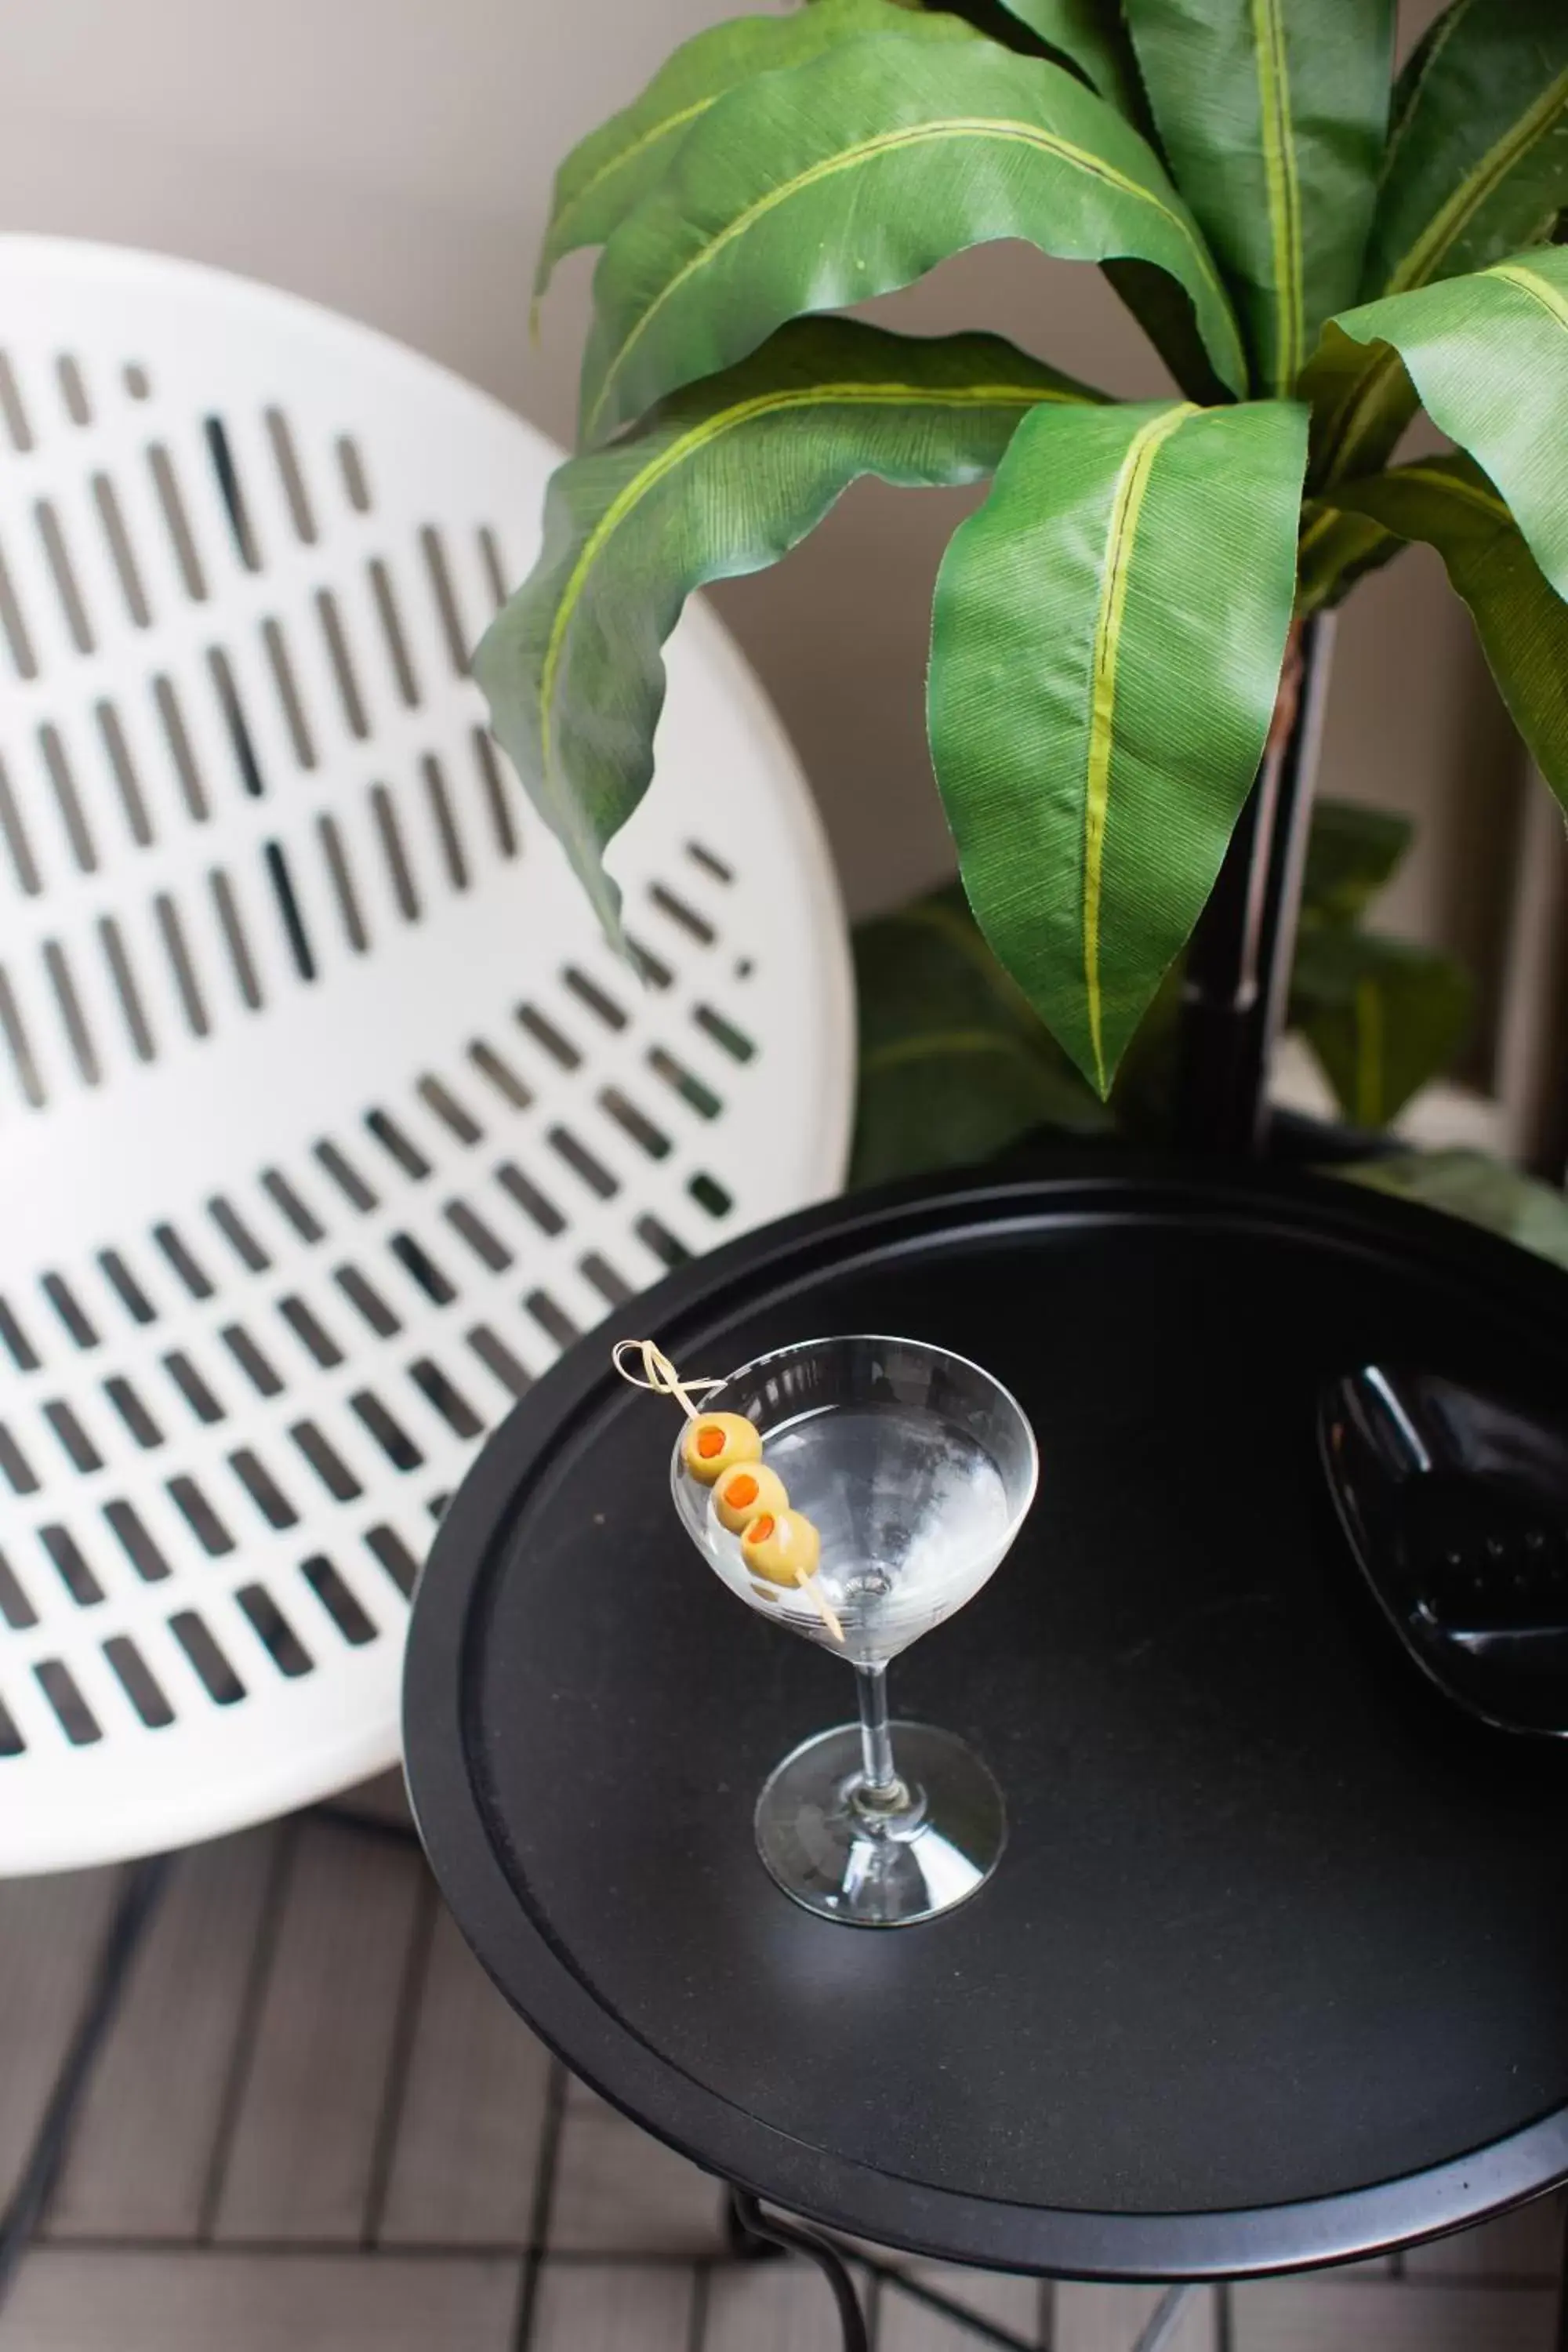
pixel 723 1450
pixel 782 1550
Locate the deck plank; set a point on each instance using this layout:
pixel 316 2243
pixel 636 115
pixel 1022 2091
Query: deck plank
pixel 619 2191
pixel 67 2299
pixel 906 2325
pixel 303 2153
pixel 140 2152
pixel 1327 2314
pixel 784 2307
pixel 467 2155
pixel 51 1932
pixel 1108 2318
pixel 612 2307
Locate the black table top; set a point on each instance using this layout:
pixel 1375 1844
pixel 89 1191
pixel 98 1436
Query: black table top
pixel 1275 1968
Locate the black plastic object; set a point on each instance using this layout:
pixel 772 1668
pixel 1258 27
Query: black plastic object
pixel 1456 1507
pixel 1272 1971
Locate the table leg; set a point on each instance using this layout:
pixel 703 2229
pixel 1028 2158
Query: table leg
pixel 742 2222
pixel 750 2221
pixel 961 2316
pixel 739 2243
pixel 1162 2320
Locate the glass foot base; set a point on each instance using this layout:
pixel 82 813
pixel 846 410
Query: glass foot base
pixel 881 1868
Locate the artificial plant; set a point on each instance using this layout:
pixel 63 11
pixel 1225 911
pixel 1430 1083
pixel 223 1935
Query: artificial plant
pixel 1314 253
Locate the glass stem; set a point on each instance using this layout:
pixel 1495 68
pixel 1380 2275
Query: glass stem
pixel 879 1782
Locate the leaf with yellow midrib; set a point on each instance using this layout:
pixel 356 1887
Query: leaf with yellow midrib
pixel 1476 161
pixel 1487 357
pixel 1105 652
pixel 723 479
pixel 965 130
pixel 1127 505
pixel 615 165
pixel 1272 115
pixel 815 189
pixel 1283 185
pixel 1521 622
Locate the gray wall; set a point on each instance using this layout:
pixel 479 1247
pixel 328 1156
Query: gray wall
pixel 392 158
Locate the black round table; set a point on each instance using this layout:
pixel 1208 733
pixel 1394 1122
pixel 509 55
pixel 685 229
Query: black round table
pixel 1275 1969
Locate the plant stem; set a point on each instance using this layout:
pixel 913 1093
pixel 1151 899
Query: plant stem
pixel 880 1784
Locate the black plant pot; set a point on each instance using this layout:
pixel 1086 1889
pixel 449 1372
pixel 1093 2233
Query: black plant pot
pixel 1238 965
pixel 1295 1139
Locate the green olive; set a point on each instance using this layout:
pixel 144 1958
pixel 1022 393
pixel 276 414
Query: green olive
pixel 743 1492
pixel 782 1545
pixel 716 1441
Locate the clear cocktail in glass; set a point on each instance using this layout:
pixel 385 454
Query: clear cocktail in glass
pixel 916 1468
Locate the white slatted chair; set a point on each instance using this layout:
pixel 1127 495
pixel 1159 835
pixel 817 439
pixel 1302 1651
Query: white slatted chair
pixel 326 1117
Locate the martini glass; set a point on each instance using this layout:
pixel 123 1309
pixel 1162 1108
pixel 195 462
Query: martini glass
pixel 916 1468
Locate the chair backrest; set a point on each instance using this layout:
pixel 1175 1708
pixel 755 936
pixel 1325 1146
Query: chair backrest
pixel 326 1116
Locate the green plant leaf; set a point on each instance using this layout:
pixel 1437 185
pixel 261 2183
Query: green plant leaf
pixel 954 1065
pixel 957 1065
pixel 724 479
pixel 1352 852
pixel 1521 623
pixel 1483 1191
pixel 1337 549
pixel 1362 401
pixel 1478 155
pixel 1091 34
pixel 1105 649
pixel 1488 357
pixel 1165 315
pixel 613 168
pixel 1477 164
pixel 1273 116
pixel 1382 1016
pixel 812 189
